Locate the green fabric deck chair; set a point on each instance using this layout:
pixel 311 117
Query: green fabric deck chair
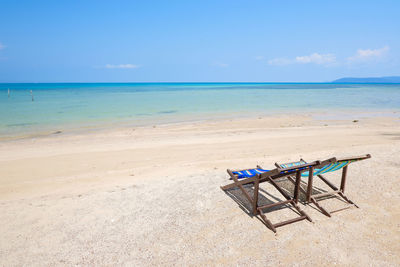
pixel 325 167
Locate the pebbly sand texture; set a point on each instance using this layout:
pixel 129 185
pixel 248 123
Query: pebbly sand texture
pixel 150 196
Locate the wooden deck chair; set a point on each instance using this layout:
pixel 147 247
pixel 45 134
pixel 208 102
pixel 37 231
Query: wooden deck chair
pixel 326 166
pixel 258 175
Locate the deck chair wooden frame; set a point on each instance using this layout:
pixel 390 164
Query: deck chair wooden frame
pixel 310 198
pixel 271 176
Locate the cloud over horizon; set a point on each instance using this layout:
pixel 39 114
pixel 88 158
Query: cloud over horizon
pixel 121 66
pixel 364 55
pixel 361 56
pixel 2 46
pixel 281 61
pixel 220 64
pixel 314 58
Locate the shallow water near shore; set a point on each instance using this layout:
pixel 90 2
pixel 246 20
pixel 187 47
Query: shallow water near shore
pixel 68 105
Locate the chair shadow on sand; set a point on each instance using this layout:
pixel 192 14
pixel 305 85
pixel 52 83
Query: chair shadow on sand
pixel 266 198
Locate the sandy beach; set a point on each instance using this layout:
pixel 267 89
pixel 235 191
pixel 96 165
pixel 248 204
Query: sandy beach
pixel 151 195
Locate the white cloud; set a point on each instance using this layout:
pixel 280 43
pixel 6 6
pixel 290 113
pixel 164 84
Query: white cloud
pixel 121 66
pixel 364 55
pixel 259 57
pixel 315 58
pixel 280 61
pixel 2 46
pixel 220 64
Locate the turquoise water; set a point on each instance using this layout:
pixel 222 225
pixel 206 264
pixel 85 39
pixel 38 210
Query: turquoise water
pixel 59 106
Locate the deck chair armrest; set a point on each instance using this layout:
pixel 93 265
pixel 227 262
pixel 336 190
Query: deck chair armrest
pixel 362 157
pixel 326 162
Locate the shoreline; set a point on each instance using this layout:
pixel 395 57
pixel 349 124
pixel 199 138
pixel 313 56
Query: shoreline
pixel 79 128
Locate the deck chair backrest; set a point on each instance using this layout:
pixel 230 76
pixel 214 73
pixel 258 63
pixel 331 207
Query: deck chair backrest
pixel 334 164
pixel 294 168
pixel 277 172
pixel 317 165
pixel 248 173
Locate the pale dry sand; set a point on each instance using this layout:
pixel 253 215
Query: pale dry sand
pixel 151 196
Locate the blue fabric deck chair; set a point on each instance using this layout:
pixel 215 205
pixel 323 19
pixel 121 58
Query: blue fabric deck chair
pixel 258 175
pixel 327 166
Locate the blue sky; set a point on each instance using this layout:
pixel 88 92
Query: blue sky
pixel 197 41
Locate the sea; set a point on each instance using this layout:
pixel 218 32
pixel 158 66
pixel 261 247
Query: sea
pixel 34 108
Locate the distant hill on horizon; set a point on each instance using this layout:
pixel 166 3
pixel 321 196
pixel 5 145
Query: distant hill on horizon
pixel 387 79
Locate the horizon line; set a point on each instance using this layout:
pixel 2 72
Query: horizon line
pixel 196 82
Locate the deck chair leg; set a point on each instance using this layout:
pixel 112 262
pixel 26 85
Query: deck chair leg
pixel 309 184
pixel 326 181
pixel 267 222
pixel 324 211
pixel 280 189
pixel 341 192
pixel 348 200
pixel 301 212
pixel 290 178
pixel 235 179
pixel 296 187
pixel 255 198
pixel 289 198
pixel 343 182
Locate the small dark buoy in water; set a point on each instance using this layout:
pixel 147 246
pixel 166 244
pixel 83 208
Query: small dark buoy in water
pixel 32 95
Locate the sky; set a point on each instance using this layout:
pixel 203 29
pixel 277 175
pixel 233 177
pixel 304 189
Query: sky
pixel 198 41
